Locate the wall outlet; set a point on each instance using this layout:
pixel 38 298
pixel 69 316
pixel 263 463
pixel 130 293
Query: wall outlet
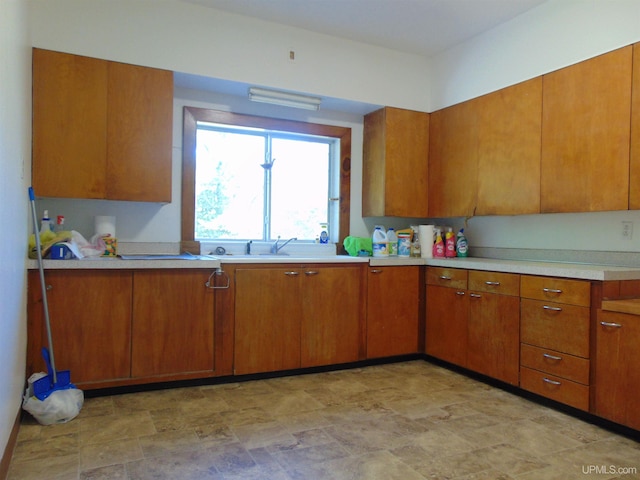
pixel 627 230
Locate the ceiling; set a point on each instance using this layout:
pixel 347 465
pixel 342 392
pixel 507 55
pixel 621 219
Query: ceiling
pixel 421 27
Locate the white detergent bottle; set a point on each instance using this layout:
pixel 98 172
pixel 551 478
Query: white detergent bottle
pixel 380 242
pixel 392 238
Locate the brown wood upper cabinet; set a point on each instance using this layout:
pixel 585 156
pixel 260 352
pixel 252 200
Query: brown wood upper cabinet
pixel 634 168
pixel 586 135
pixel 395 157
pixel 101 129
pixel 484 155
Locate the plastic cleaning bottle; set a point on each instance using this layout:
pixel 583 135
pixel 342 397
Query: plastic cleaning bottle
pixel 45 223
pixel 392 238
pixel 449 244
pixel 380 242
pixel 438 246
pixel 462 247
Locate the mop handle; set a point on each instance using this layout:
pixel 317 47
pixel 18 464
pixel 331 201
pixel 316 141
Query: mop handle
pixel 43 287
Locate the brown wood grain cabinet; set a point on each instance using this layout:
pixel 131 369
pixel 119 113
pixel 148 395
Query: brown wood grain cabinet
pixel 393 311
pixel 586 111
pixel 173 319
pixel 617 377
pixel 101 129
pixel 90 315
pixel 494 325
pixel 298 316
pixel 395 163
pixel 634 167
pixel 447 311
pixel 484 155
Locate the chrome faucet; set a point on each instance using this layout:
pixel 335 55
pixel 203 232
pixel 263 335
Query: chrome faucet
pixel 275 248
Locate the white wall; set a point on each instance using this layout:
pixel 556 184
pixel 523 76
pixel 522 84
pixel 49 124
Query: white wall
pixel 15 154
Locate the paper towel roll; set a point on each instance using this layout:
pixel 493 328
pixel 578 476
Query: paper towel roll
pixel 425 234
pixel 105 225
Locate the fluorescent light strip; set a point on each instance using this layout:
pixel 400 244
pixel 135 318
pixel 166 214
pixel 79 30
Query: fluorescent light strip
pixel 284 98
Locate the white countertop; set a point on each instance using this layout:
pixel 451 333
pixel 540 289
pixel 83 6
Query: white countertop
pixel 553 269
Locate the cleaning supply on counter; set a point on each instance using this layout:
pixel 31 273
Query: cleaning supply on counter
pixel 415 241
pixel 45 223
pixel 449 243
pixel 59 226
pixel 324 233
pixel 392 238
pixel 404 244
pixel 462 247
pixel 438 246
pixel 380 242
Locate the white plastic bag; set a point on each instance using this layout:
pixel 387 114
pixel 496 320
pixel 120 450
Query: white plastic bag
pixel 59 407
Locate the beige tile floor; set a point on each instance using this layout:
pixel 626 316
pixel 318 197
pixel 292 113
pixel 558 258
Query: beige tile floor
pixel 404 421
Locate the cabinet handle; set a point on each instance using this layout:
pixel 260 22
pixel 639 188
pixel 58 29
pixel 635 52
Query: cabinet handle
pixel 311 272
pixel 492 283
pixel 444 277
pixel 460 293
pixel 610 324
pixel 552 382
pixel 293 274
pixel 475 295
pixel 551 357
pixel 551 290
pixel 372 271
pixel 554 309
pixel 49 287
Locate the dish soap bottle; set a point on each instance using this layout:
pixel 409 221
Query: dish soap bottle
pixel 461 244
pixel 438 246
pixel 449 244
pixel 45 223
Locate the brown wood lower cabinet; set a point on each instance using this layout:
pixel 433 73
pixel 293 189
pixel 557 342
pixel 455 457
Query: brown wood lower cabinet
pixel 172 329
pixel 617 375
pixel 297 316
pixel 393 307
pixel 90 315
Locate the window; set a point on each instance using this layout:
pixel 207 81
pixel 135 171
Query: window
pixel 256 184
pixel 267 187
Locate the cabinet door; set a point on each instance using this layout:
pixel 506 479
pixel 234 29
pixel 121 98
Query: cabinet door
pixel 586 113
pixel 140 133
pixel 453 165
pixel 508 152
pixel 172 322
pixel 69 125
pixel 634 170
pixel 395 163
pixel 332 315
pixel 446 328
pixel 90 315
pixel 617 387
pixel 267 323
pixel 392 311
pixel 494 335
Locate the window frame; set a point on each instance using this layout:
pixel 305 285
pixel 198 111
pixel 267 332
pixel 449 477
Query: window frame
pixel 193 115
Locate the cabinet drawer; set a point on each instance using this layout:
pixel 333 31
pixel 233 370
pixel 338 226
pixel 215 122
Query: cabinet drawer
pixel 573 292
pixel 555 363
pixel 555 388
pixel 494 282
pixel 564 328
pixel 447 277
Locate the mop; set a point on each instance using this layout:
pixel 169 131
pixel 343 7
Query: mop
pixel 50 398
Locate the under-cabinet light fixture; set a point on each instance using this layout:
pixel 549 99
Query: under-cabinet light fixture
pixel 286 99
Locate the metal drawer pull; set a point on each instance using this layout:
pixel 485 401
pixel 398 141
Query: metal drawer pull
pixel 551 357
pixel 311 272
pixel 293 274
pixel 492 283
pixel 551 290
pixel 552 382
pixel 610 324
pixel 555 309
pixel 460 293
pixel 444 277
pixel 475 295
pixel 376 271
